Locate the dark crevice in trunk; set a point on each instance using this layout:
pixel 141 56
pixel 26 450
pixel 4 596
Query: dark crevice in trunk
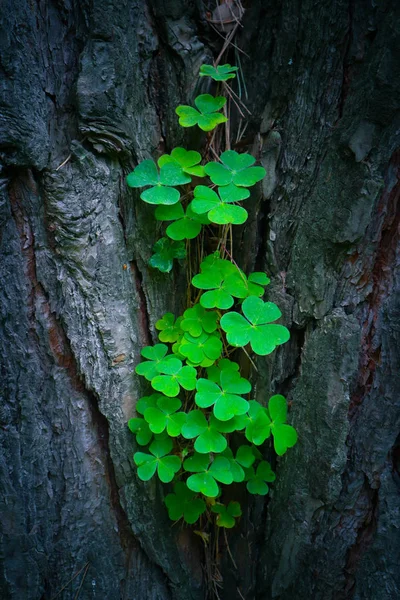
pixel 262 236
pixel 62 354
pixel 347 67
pixel 369 499
pixel 395 458
pixel 298 338
pixel 144 320
pixel 382 278
pixel 128 540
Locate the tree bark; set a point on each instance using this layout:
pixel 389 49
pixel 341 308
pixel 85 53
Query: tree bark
pixel 89 90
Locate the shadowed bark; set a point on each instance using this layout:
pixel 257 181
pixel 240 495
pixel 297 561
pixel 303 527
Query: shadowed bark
pixel 89 90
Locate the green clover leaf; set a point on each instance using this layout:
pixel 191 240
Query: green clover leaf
pixel 188 160
pixel 196 349
pixel 255 328
pixel 160 192
pixel 227 514
pixel 224 282
pixel 235 168
pixel 197 319
pixel 169 328
pixel 285 436
pixel 219 208
pixel 245 456
pixel 206 117
pixel 141 430
pixel 208 433
pixel 236 469
pixel 186 226
pixel 214 372
pixel 182 503
pixel 218 73
pixel 146 402
pixel 165 250
pixel 155 354
pixel 164 416
pixel 173 375
pixel 224 397
pixel 206 475
pixel 159 460
pixel 253 286
pixel 256 483
pixel 256 283
pixel 257 423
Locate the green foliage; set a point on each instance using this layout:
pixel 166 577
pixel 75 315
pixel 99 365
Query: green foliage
pixel 187 224
pixel 172 375
pixel 219 208
pixel 285 436
pixel 165 250
pixel 256 483
pixel 161 190
pixel 208 434
pixel 206 473
pixel 159 460
pixel 187 160
pixel 235 168
pixel 202 402
pixel 257 424
pixel 227 514
pixel 223 397
pixel 207 116
pixel 197 320
pixel 141 429
pixel 255 326
pixel 165 416
pixel 169 328
pixel 155 355
pixel 183 503
pixel 218 73
pixel 198 349
pixel 224 282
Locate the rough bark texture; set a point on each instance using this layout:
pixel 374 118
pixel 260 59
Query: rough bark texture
pixel 88 90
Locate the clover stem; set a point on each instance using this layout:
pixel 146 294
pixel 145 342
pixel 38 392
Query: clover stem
pixel 249 357
pixel 229 550
pixel 227 129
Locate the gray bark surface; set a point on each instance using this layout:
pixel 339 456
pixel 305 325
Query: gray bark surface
pixel 89 90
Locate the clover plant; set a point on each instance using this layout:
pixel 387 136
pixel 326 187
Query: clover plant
pixel 227 514
pixel 218 73
pixel 201 425
pixel 165 250
pixel 207 116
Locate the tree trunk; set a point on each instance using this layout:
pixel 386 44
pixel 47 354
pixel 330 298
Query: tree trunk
pixel 89 90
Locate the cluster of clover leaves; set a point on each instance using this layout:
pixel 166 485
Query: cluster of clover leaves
pixel 199 399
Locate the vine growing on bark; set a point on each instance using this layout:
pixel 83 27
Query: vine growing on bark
pixel 201 428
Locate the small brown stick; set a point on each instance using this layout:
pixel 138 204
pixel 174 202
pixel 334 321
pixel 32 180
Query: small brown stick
pixel 237 97
pixel 240 594
pixel 249 357
pixel 229 550
pixel 69 581
pixel 235 103
pixel 83 579
pixel 64 162
pixel 228 39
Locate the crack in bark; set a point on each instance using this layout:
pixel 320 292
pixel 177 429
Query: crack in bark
pixel 144 316
pixel 381 275
pixel 365 535
pixel 347 67
pixel 62 352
